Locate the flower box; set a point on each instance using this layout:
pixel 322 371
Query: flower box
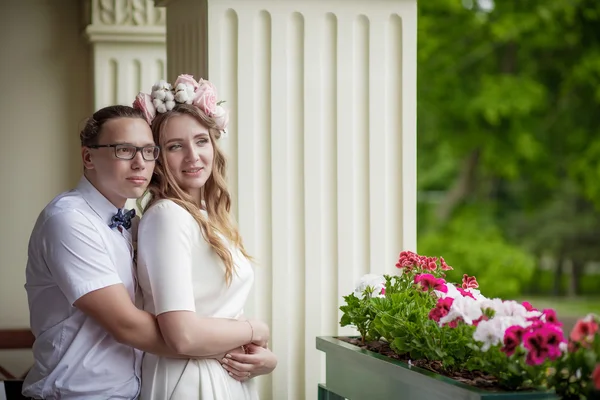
pixel 357 374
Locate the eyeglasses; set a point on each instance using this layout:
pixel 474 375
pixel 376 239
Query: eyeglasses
pixel 129 151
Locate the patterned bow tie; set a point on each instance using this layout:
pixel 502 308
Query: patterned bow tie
pixel 120 219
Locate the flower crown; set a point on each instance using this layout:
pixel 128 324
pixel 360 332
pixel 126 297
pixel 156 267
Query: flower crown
pixel 186 90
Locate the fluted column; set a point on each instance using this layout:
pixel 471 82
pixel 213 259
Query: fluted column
pixel 127 39
pixel 322 151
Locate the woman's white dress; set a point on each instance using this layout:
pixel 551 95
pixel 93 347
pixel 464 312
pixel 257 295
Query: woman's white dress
pixel 178 270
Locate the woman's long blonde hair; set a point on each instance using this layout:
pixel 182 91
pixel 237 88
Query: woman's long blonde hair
pixel 215 196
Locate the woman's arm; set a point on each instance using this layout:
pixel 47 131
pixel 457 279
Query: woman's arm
pixel 186 333
pixel 165 263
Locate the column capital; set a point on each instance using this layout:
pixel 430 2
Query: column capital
pixel 131 21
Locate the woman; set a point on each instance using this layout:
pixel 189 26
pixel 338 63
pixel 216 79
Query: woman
pixel 193 270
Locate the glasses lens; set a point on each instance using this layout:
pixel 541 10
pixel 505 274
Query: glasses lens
pixel 125 152
pixel 150 153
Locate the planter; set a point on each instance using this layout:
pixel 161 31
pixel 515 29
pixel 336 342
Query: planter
pixel 357 374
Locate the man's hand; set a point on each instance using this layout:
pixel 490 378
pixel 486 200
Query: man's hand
pixel 257 361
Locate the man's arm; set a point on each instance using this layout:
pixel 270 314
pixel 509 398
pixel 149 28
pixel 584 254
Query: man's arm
pixel 75 253
pixel 113 309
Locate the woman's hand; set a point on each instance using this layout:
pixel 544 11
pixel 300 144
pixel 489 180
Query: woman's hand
pixel 237 350
pixel 257 361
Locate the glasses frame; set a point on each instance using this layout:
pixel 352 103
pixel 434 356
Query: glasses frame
pixel 121 145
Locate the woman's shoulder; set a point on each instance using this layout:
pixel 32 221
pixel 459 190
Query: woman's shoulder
pixel 165 209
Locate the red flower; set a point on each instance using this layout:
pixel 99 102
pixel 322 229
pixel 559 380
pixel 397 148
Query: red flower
pixel 428 281
pixel 408 260
pixel 535 342
pixel 441 309
pixel 596 377
pixel 513 337
pixel 445 267
pixel 482 318
pixel 550 316
pixel 469 282
pixel 465 293
pixel 584 330
pixel 528 306
pixel 543 342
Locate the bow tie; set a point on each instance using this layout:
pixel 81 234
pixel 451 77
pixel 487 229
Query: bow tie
pixel 120 219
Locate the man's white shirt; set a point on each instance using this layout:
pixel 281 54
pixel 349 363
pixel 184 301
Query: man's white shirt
pixel 72 252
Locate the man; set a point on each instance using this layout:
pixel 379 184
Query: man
pixel 80 276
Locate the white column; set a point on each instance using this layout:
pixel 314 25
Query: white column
pixel 322 151
pixel 127 39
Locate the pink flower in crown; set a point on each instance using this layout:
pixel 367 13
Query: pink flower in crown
pixel 206 97
pixel 143 102
pixel 221 117
pixel 186 80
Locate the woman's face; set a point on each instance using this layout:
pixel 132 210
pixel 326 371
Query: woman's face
pixel 189 152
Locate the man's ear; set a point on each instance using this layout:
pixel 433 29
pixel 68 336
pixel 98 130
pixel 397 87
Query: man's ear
pixel 86 157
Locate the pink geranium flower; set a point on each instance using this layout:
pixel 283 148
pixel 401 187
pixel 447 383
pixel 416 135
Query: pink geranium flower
pixel 441 309
pixel 584 330
pixel 469 282
pixel 596 377
pixel 513 338
pixel 550 317
pixel 428 281
pixel 407 261
pixel 528 306
pixel 465 293
pixel 444 266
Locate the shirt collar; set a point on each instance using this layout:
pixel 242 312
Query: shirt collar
pixel 96 200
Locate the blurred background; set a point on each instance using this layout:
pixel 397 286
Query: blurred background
pixel 509 146
pixel 508 151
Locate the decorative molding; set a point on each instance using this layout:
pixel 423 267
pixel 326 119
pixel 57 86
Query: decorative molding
pixel 127 12
pixel 136 21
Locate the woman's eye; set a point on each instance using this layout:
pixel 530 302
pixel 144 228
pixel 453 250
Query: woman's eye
pixel 202 141
pixel 174 147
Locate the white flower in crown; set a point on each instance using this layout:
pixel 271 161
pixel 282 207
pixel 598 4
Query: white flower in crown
pixel 163 98
pixel 161 85
pixel 184 93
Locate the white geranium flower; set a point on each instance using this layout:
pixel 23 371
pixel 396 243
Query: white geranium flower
pixel 477 294
pixel 490 333
pixel 494 304
pixel 463 307
pixel 169 105
pixel 374 282
pixel 511 308
pixel 169 96
pixel 452 292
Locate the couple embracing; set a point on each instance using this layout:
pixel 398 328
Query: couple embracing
pixel 150 308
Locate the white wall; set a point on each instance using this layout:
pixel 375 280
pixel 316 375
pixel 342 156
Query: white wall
pixel 45 98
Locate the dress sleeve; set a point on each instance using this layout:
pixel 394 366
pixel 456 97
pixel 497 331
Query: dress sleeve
pixel 165 250
pixel 76 255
